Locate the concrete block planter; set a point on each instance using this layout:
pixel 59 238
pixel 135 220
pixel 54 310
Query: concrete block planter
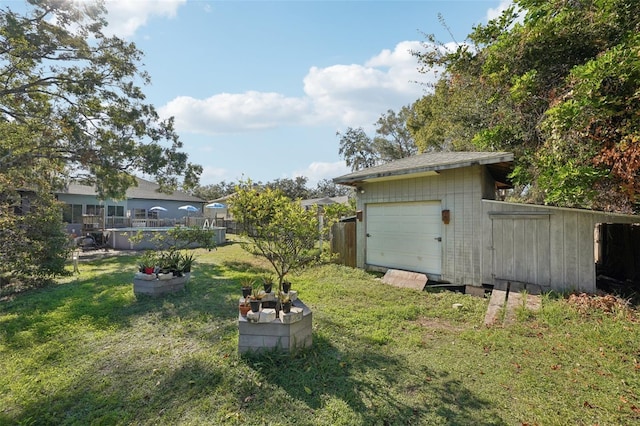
pixel 287 333
pixel 157 287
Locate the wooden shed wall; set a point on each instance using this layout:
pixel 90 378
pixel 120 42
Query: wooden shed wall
pixel 549 246
pixel 460 191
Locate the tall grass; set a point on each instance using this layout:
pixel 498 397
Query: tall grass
pixel 87 351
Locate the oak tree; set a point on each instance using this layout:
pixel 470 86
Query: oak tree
pixel 71 109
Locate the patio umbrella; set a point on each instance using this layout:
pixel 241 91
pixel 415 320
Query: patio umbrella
pixel 188 208
pixel 216 206
pixel 157 209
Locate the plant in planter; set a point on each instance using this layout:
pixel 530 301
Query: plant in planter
pixel 255 300
pixel 244 306
pixel 247 286
pixel 257 293
pixel 286 286
pixel 147 263
pixel 267 283
pixel 270 299
pixel 169 262
pixel 285 302
pixel 185 262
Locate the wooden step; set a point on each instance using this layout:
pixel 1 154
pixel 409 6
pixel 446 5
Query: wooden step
pixel 508 297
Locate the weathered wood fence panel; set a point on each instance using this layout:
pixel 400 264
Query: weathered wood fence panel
pixel 521 247
pixel 343 243
pixel 552 247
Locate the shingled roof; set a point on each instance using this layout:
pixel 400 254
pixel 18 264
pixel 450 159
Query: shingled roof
pixel 145 190
pixel 499 164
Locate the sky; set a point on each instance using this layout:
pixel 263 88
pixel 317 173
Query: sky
pixel 259 89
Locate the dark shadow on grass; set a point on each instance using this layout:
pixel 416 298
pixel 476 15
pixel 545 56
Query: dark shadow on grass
pixel 362 378
pixel 245 267
pixel 192 380
pixel 103 394
pixel 103 303
pixel 94 398
pixel 360 375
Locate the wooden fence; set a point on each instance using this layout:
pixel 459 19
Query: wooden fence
pixel 343 242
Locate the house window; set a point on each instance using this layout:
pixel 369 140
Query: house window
pixel 153 215
pixel 72 213
pixel 94 210
pixel 115 211
pixel 139 214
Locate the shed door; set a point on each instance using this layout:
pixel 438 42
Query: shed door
pixel 405 236
pixel 522 249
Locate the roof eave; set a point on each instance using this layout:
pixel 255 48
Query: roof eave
pixel 426 170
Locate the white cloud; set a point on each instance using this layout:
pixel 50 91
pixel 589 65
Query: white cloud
pixel 317 171
pixel 212 174
pixel 355 95
pixel 340 95
pixel 126 16
pixel 493 13
pixel 228 113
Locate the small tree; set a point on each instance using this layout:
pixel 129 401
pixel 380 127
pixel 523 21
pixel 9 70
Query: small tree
pixel 278 229
pixel 33 244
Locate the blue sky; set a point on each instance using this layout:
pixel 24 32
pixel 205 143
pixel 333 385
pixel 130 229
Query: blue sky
pixel 259 88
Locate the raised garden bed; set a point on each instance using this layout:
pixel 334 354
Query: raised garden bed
pixel 158 287
pixel 277 333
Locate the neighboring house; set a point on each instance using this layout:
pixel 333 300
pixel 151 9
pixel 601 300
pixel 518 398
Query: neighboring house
pixel 221 216
pixel 436 213
pixel 219 213
pixel 324 201
pixel 84 212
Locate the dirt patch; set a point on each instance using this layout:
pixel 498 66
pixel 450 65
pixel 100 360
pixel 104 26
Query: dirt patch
pixel 437 324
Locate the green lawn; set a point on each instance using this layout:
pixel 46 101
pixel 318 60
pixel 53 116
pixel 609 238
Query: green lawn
pixel 87 351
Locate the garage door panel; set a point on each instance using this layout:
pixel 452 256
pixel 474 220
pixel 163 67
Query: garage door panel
pixel 404 236
pixel 406 245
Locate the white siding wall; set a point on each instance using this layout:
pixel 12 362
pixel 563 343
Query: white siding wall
pixel 460 191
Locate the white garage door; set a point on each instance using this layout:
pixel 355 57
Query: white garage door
pixel 405 236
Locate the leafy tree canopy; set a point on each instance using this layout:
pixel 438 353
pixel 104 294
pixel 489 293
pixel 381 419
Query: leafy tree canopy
pixel 292 188
pixel 68 94
pixel 357 149
pixel 559 88
pixel 393 140
pixel 328 188
pixel 276 227
pixel 214 191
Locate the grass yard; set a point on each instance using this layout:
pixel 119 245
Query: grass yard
pixel 87 351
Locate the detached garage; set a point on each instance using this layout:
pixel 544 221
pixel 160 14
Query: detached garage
pixel 436 214
pixel 405 236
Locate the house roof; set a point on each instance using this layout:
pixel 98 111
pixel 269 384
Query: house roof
pixel 145 190
pixel 499 164
pixel 343 199
pixel 222 199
